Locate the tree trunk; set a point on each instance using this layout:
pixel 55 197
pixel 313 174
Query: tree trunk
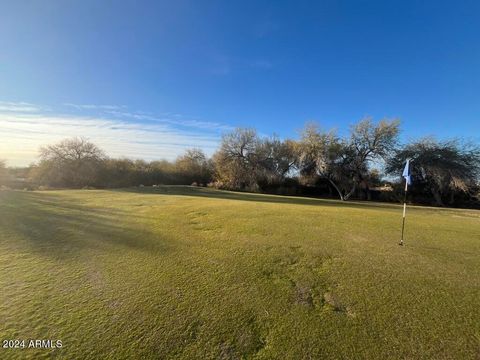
pixel 437 197
pixel 351 192
pixel 452 198
pixel 336 188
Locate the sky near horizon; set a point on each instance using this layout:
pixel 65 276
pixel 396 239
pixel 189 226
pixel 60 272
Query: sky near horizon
pixel 148 79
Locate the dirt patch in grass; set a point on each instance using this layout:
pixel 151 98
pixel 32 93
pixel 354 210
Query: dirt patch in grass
pixel 303 296
pixel 247 342
pixel 333 303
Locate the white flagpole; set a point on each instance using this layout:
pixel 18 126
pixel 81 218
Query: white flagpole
pixel 404 210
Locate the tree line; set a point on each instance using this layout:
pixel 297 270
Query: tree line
pixel 365 164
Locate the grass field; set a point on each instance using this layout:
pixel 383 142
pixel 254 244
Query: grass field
pixel 180 272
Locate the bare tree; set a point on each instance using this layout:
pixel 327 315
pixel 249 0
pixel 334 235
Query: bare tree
pixel 76 149
pixel 368 142
pixel 194 166
pixel 344 163
pixel 246 161
pixel 276 159
pixel 237 160
pixel 72 162
pixel 444 167
pixel 3 172
pixel 321 154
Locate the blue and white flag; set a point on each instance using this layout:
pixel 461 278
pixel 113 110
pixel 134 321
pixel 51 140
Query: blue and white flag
pixel 406 173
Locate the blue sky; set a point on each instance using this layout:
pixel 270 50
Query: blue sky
pixel 151 78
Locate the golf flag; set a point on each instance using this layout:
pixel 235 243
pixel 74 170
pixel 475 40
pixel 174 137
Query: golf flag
pixel 408 181
pixel 406 173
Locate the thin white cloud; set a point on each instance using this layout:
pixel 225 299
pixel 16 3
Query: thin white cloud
pixel 132 135
pixel 167 118
pixel 94 107
pixel 9 106
pixel 178 120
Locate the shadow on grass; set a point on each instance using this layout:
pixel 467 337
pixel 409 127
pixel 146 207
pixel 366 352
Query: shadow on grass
pixel 182 190
pixel 63 228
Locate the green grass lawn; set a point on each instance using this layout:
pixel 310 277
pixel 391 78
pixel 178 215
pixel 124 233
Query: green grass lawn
pixel 192 273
